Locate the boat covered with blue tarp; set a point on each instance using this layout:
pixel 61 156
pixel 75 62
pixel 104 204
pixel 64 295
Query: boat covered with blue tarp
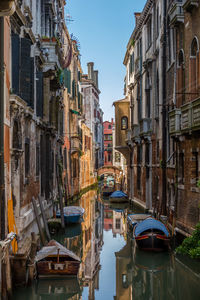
pixel 118 196
pixel 151 234
pixel 134 219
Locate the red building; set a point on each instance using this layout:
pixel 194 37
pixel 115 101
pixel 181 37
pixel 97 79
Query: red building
pixel 108 142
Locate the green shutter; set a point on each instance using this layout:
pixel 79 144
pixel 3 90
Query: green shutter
pixel 67 79
pixel 73 89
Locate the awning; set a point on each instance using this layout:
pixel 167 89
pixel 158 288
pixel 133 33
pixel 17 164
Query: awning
pixel 75 112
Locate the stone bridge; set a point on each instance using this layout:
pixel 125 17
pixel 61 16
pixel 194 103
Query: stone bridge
pixel 109 170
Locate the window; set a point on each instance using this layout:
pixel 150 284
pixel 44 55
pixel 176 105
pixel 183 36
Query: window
pixel 157 96
pixel 108 137
pixel 181 167
pixel 148 96
pixel 109 127
pixel 149 34
pixel 147 154
pixel 139 160
pixel 37 160
pixel 16 136
pixel 181 78
pixel 194 65
pixel 157 21
pixel 27 157
pixel 117 223
pixel 131 64
pixel 195 168
pixel 124 123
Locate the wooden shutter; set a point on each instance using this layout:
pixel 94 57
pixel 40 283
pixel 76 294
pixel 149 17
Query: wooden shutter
pixel 25 71
pixel 32 82
pixel 39 94
pixel 15 63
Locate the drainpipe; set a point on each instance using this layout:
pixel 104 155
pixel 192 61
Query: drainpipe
pixel 2 183
pixel 163 204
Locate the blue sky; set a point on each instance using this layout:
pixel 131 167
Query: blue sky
pixel 103 28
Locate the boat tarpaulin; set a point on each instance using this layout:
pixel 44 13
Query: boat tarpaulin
pixel 52 249
pixel 148 224
pixel 72 210
pixel 118 194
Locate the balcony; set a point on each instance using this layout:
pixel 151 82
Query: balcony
pixel 176 13
pixel 186 119
pixel 188 5
pixel 175 121
pixel 136 133
pixel 195 115
pixel 145 127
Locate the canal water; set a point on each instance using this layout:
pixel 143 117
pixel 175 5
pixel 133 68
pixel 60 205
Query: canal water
pixel 112 267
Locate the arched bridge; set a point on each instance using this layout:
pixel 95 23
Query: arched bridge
pixel 109 170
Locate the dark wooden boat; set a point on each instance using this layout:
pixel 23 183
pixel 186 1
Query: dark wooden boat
pixel 151 235
pixel 134 219
pixel 55 260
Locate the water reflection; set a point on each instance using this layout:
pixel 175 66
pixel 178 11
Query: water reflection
pixel 112 266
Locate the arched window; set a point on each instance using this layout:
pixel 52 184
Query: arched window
pixel 180 58
pixel 181 79
pixel 194 66
pixel 194 47
pixel 124 123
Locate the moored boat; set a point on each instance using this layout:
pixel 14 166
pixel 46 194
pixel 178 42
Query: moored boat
pixel 119 197
pixel 107 191
pixel 72 214
pixel 151 235
pixel 54 260
pixel 134 219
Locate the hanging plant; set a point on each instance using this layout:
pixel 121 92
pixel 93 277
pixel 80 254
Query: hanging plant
pixel 198 183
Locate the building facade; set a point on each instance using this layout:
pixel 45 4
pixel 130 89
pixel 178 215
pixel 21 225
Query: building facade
pixel 161 138
pixel 108 142
pixel 93 113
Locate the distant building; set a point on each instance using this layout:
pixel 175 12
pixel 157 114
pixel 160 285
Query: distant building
pixel 108 142
pixel 92 112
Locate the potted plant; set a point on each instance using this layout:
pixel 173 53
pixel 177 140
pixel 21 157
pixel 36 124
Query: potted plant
pixel 45 38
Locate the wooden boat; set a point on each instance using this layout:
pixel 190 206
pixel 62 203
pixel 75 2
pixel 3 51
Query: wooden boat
pixel 119 197
pixel 60 288
pixel 151 235
pixel 134 219
pixel 55 260
pixel 72 214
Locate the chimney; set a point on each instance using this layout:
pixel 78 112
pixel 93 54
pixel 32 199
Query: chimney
pixel 137 17
pixel 96 81
pixel 90 70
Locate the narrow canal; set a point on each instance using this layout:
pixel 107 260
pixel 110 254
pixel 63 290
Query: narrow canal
pixel 112 267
